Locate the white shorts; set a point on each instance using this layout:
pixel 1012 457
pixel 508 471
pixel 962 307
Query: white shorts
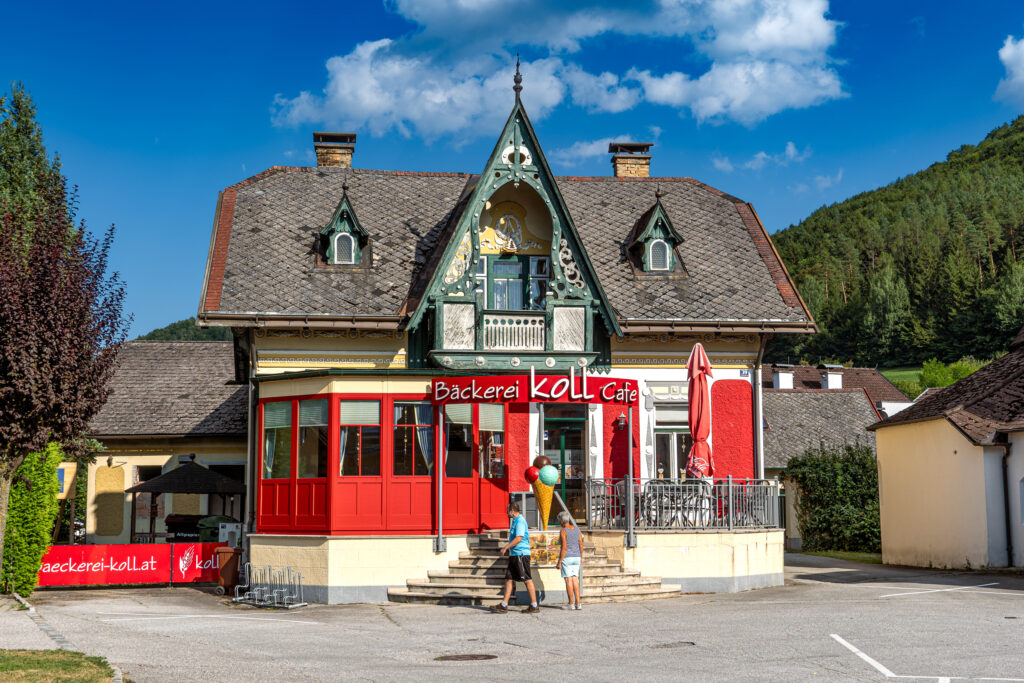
pixel 570 567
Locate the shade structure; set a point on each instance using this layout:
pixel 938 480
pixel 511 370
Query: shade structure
pixel 190 478
pixel 699 463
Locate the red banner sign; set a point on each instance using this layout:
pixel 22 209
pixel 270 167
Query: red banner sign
pixel 535 388
pixel 99 565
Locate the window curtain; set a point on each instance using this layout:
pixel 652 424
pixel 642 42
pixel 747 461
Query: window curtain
pixel 344 439
pixel 276 415
pixel 425 434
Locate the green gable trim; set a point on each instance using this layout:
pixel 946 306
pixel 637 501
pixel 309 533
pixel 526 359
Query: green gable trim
pixel 517 158
pixel 344 222
pixel 653 226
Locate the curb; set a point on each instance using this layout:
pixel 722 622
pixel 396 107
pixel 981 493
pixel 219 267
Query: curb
pixel 24 603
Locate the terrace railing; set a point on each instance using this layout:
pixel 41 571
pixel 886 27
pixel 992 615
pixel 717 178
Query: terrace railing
pixel 514 331
pixel 683 504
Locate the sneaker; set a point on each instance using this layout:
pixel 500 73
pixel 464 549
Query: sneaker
pixel 501 609
pixel 577 606
pixel 531 610
pixel 568 607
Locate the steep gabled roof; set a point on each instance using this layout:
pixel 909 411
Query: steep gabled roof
pixel 980 405
pixel 798 419
pixel 162 388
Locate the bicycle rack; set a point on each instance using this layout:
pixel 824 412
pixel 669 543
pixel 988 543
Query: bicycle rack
pixel 268 587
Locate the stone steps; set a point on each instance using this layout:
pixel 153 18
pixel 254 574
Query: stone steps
pixel 477 578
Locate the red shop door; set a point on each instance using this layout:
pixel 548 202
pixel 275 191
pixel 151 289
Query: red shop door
pixel 475 483
pixel 491 447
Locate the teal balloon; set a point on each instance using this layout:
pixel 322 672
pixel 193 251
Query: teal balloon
pixel 549 475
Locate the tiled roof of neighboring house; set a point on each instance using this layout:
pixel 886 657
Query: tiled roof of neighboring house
pixel 798 419
pixel 870 380
pixel 174 389
pixel 262 256
pixel 983 403
pixel 928 392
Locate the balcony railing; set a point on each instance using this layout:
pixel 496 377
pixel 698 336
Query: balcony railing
pixel 514 331
pixel 681 504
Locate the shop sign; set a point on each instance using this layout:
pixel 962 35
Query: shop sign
pixel 535 388
pixel 98 565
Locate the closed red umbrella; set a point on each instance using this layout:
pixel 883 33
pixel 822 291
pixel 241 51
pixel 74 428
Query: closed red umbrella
pixel 698 369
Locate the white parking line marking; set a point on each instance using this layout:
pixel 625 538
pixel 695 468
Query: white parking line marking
pixel 878 667
pixel 940 590
pixel 889 674
pixel 132 616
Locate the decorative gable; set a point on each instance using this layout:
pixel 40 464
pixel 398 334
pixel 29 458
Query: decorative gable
pixel 344 239
pixel 652 243
pixel 514 285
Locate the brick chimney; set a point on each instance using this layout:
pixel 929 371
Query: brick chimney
pixel 334 149
pixel 631 159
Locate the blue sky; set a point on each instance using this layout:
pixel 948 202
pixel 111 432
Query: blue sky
pixel 790 104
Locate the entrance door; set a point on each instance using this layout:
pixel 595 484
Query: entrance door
pixel 491 446
pixel 475 480
pixel 564 447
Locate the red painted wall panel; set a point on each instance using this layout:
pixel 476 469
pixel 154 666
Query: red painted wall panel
pixel 517 432
pixel 615 444
pixel 732 428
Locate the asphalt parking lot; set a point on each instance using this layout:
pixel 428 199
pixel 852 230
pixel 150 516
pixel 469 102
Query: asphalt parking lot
pixel 832 621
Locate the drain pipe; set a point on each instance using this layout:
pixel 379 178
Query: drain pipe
pixel 1006 501
pixel 440 544
pixel 759 409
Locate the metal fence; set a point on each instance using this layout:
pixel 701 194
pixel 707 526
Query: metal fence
pixel 678 504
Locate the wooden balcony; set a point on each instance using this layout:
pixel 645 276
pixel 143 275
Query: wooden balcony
pixel 513 331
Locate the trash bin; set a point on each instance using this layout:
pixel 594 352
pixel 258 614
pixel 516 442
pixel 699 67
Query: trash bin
pixel 229 561
pixel 209 527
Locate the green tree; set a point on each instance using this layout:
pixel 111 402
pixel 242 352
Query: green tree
pixel 32 512
pixel 186 330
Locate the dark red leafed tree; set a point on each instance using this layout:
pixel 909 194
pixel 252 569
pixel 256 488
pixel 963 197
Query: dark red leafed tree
pixel 61 325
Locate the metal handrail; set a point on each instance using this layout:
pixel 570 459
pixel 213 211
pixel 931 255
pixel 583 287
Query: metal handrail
pixel 683 504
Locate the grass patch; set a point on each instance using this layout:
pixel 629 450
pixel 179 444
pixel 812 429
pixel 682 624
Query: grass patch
pixel 902 374
pixel 871 558
pixel 52 665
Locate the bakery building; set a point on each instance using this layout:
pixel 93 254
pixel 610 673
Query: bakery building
pixel 410 341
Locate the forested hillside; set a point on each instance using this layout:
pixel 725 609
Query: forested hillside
pixel 186 330
pixel 929 266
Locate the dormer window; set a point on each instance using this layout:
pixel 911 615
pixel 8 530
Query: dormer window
pixel 344 249
pixel 658 257
pixel 651 245
pixel 344 238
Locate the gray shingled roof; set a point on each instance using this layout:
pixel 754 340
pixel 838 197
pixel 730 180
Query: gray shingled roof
pixel 981 404
pixel 870 380
pixel 270 267
pixel 798 419
pixel 173 388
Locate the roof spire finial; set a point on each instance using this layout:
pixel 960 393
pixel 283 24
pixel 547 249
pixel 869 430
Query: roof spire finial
pixel 517 79
pixel 657 192
pixel 344 186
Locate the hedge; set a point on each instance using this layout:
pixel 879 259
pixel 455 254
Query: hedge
pixel 31 513
pixel 838 508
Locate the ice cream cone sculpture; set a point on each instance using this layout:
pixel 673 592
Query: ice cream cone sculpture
pixel 543 477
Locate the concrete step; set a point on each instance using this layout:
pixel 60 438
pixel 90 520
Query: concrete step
pixel 406 595
pixel 637 587
pixel 671 590
pixel 498 579
pixel 591 571
pixel 495 561
pixel 493 554
pixel 498 542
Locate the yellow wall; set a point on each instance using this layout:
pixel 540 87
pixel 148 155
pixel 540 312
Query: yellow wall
pixel 931 485
pixel 112 481
pixel 349 385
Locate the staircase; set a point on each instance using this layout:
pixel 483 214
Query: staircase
pixel 477 578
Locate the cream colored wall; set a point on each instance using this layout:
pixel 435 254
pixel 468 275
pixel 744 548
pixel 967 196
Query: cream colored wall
pixel 713 555
pixel 931 488
pixel 289 351
pixel 127 455
pixel 355 384
pixel 343 566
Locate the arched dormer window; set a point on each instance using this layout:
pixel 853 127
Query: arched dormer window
pixel 658 255
pixel 344 239
pixel 344 249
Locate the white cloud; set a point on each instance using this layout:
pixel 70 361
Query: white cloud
pixel 826 181
pixel 586 149
pixel 1011 88
pixel 758 161
pixel 798 188
pixel 722 164
pixel 444 77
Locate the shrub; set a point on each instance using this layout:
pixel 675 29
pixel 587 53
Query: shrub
pixel 838 507
pixel 30 516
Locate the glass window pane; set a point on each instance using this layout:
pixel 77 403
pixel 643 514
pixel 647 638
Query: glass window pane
pixel 360 413
pixel 539 265
pixel 277 453
pixel 515 295
pixel 507 268
pixel 277 414
pixel 402 454
pixel 349 465
pixel 313 451
pixel 371 452
pixel 481 266
pixel 458 441
pixel 659 256
pixel 684 443
pixel 492 454
pixel 313 413
pixel 424 451
pixel 501 294
pixel 553 411
pixel 663 455
pixel 538 292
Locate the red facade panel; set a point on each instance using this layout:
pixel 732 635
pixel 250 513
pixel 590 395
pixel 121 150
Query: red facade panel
pixel 732 428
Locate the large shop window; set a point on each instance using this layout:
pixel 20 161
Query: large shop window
pixel 360 439
pixel 458 440
pixel 413 439
pixel 492 440
pixel 672 440
pixel 277 440
pixel 313 438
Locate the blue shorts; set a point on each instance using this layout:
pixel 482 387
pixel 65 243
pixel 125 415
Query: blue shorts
pixel 570 567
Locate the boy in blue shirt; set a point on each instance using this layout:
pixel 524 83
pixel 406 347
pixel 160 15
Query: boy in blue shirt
pixel 518 548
